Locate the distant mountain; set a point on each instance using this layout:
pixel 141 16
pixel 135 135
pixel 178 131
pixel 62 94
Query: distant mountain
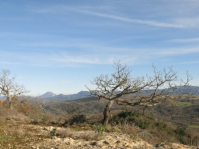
pixel 191 89
pixel 84 94
pixel 62 97
pixel 2 97
pixel 47 95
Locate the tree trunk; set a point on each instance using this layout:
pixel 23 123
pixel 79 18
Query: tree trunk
pixel 9 100
pixel 10 105
pixel 107 112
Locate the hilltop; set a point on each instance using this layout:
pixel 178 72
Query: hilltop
pixel 29 136
pixel 20 131
pixel 50 96
pixel 77 124
pixel 183 112
pixel 61 97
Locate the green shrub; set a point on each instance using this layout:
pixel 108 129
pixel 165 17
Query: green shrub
pixel 78 119
pixel 53 132
pixel 99 129
pixel 161 125
pixel 132 117
pixel 180 131
pixel 142 123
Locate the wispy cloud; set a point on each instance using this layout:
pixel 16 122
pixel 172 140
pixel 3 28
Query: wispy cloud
pixel 192 21
pixel 185 40
pixel 129 20
pixel 189 62
pixel 177 51
pixel 92 58
pixel 108 15
pixel 76 52
pixel 80 44
pixel 63 58
pixel 10 63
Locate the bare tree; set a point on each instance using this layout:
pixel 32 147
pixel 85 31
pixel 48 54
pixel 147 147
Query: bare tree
pixel 9 88
pixel 122 88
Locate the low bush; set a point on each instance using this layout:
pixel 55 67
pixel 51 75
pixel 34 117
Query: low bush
pixel 180 131
pixel 12 115
pixel 99 129
pixel 77 119
pixel 67 132
pixel 161 125
pixel 64 132
pixel 132 117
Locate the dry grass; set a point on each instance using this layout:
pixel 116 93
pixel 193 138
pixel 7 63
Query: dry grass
pixel 129 128
pixel 89 135
pixel 15 135
pixel 12 115
pixel 14 131
pixel 86 135
pixel 64 132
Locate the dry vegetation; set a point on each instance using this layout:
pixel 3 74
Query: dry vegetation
pixel 78 124
pixel 31 127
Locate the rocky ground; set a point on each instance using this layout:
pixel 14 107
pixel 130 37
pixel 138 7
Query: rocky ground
pixel 48 137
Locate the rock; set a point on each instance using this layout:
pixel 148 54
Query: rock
pixel 48 128
pixel 85 140
pixel 118 141
pixel 79 144
pixel 45 128
pixel 105 142
pixel 68 141
pixel 53 137
pixel 160 145
pixel 35 147
pixel 94 143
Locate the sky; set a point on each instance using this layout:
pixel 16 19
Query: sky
pixel 60 46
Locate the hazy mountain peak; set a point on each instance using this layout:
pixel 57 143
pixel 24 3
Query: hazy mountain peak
pixel 83 93
pixel 47 95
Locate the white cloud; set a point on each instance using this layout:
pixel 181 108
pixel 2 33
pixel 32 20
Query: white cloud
pixel 92 58
pixel 129 20
pixel 185 40
pixel 10 63
pixel 188 22
pixel 177 51
pixel 108 54
pixel 89 11
pixel 189 62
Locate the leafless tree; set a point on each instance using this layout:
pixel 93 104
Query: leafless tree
pixel 9 88
pixel 122 88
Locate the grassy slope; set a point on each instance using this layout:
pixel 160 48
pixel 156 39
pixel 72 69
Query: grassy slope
pixel 153 129
pixel 185 113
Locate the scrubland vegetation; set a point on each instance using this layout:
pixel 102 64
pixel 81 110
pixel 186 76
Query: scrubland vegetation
pixel 15 130
pixel 139 112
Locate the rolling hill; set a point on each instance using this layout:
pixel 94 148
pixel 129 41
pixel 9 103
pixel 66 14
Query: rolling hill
pixel 84 94
pixel 61 97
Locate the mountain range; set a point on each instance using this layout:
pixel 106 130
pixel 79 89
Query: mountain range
pixel 48 95
pixel 61 97
pixel 84 94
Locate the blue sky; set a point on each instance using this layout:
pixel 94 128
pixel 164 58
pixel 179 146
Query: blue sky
pixel 60 46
